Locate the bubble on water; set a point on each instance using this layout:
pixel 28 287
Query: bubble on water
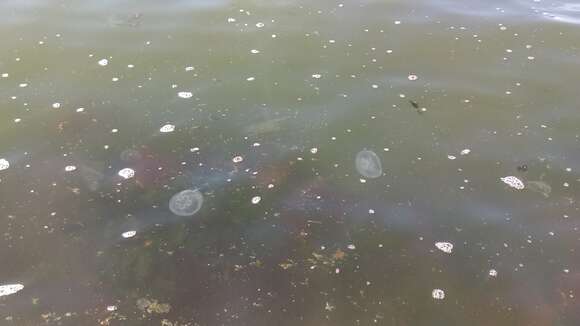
pixel 251 78
pixel 314 150
pixel 492 273
pixel 4 164
pixel 8 289
pixel 189 68
pixel 317 76
pixel 413 77
pixel 256 200
pixel 444 246
pixel 55 105
pixel 22 85
pixel 260 25
pixel 465 151
pixel 185 94
pixel 438 294
pixel 103 62
pixel 129 234
pixel 127 173
pixel 368 164
pixel 70 168
pixel 167 128
pixel 513 182
pixel 451 157
pixel 254 51
pixel 186 202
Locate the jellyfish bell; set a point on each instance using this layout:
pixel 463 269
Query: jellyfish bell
pixel 368 164
pixel 186 202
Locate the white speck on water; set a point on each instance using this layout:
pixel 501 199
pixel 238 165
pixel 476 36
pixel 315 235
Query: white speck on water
pixel 115 79
pixel 189 68
pixel 254 51
pixel 317 76
pixel 185 94
pixel 513 182
pixel 251 78
pixel 17 120
pixel 438 294
pixel 4 164
pixel 492 273
pixel 111 308
pixel 80 110
pixel 167 128
pixel 446 247
pixel 260 25
pixel 194 149
pixel 126 173
pixel 397 22
pixel 451 157
pixel 103 62
pixel 465 151
pixel 412 77
pixel 231 20
pixel 22 85
pixel 5 75
pixel 237 159
pixel 130 66
pixel 8 289
pixel 371 211
pixel 70 168
pixel 314 150
pixel 256 200
pixel 351 247
pixel 129 234
pixel 55 105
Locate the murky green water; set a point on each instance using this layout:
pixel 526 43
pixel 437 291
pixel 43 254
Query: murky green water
pixel 110 108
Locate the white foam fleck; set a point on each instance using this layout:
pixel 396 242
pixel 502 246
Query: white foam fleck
pixel 317 76
pixel 126 173
pixel 314 150
pixel 451 157
pixel 438 294
pixel 103 62
pixel 513 182
pixel 254 51
pixel 231 20
pixel 5 75
pixel 256 200
pixel 70 168
pixel 351 247
pixel 185 94
pixel 22 85
pixel 4 164
pixel 251 78
pixel 492 273
pixel 55 105
pixel 129 234
pixel 111 308
pixel 465 151
pixel 412 77
pixel 260 25
pixel 189 68
pixel 167 128
pixel 8 289
pixel 446 247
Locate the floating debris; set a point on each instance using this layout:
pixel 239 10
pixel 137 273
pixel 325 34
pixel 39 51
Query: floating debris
pixel 237 159
pixel 185 94
pixel 167 128
pixel 127 173
pixel 4 164
pixel 465 152
pixel 412 77
pixel 111 308
pixel 103 62
pixel 9 289
pixel 513 182
pixel 438 294
pixel 446 247
pixel 316 76
pixel 368 164
pixel 539 187
pixel 129 234
pixel 186 202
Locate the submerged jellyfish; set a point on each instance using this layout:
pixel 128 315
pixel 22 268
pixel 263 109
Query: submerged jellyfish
pixel 368 164
pixel 186 202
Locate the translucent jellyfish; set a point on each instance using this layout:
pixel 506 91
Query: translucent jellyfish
pixel 186 202
pixel 444 246
pixel 513 182
pixel 368 164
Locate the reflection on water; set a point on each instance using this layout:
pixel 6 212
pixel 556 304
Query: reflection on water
pixel 293 163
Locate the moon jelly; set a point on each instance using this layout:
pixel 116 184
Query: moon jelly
pixel 186 202
pixel 368 164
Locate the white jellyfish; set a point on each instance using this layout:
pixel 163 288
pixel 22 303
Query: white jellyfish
pixel 8 289
pixel 186 202
pixel 368 164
